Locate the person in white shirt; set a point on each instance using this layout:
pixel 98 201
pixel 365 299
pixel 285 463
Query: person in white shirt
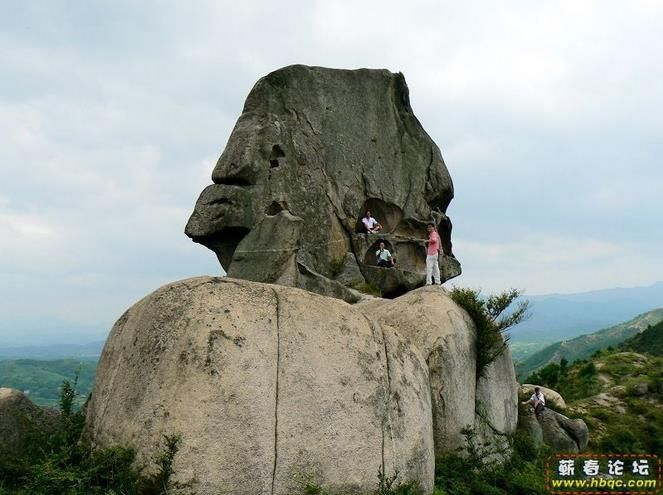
pixel 538 401
pixel 384 257
pixel 370 224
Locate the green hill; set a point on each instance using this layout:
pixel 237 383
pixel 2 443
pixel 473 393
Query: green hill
pixel 618 393
pixel 583 346
pixel 41 380
pixel 649 341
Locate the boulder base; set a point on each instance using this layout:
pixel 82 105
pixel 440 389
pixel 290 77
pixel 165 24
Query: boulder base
pixel 269 385
pixel 18 416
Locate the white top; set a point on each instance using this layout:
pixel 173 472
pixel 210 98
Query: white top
pixel 539 397
pixel 383 255
pixel 369 222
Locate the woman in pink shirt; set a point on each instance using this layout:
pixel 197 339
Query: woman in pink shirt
pixel 433 251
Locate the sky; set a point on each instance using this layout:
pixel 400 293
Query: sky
pixel 113 114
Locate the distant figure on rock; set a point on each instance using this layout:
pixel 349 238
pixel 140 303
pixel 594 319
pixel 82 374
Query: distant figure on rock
pixel 384 257
pixel 538 402
pixel 433 251
pixel 370 224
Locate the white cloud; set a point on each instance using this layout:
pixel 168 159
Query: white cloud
pixel 25 227
pixel 543 263
pixel 545 113
pixel 541 249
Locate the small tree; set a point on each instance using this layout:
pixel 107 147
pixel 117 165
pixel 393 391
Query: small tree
pixel 491 318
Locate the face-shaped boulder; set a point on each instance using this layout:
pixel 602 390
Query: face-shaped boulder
pixel 313 150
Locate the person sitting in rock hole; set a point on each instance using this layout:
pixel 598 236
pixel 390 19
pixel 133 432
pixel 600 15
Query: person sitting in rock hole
pixel 371 224
pixel 384 257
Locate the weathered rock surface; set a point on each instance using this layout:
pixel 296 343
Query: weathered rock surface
pixel 529 425
pixel 563 434
pixel 18 416
pixel 445 337
pixel 552 398
pixel 497 405
pixel 555 430
pixel 266 383
pixel 313 150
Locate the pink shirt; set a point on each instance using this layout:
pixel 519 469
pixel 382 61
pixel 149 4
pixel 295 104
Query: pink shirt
pixel 433 243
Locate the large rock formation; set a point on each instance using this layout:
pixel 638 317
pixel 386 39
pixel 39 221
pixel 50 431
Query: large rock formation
pixel 18 418
pixel 444 335
pixel 555 430
pixel 313 150
pixel 269 384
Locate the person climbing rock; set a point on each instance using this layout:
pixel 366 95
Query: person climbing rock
pixel 384 257
pixel 432 253
pixel 538 402
pixel 371 224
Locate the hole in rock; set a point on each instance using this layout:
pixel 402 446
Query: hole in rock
pixel 371 259
pixel 393 294
pixel 275 207
pixel 233 181
pixel 276 153
pixel 387 214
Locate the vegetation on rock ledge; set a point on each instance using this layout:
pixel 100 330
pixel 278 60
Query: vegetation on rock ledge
pixel 491 318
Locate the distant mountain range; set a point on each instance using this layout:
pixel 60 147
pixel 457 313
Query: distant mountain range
pixel 585 345
pixel 564 316
pixel 53 351
pixel 30 331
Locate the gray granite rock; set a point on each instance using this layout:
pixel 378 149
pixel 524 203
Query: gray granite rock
pixel 313 149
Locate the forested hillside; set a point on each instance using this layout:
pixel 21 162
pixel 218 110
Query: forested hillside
pixel 41 380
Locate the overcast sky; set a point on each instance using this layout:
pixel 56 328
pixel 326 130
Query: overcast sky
pixel 112 115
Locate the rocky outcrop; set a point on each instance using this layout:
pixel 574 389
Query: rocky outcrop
pixel 18 417
pixel 268 384
pixel 496 417
pixel 313 150
pixel 528 425
pixel 555 430
pixel 563 434
pixel 445 336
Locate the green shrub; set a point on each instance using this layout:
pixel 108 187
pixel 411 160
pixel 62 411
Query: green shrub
pixel 491 319
pixel 61 462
